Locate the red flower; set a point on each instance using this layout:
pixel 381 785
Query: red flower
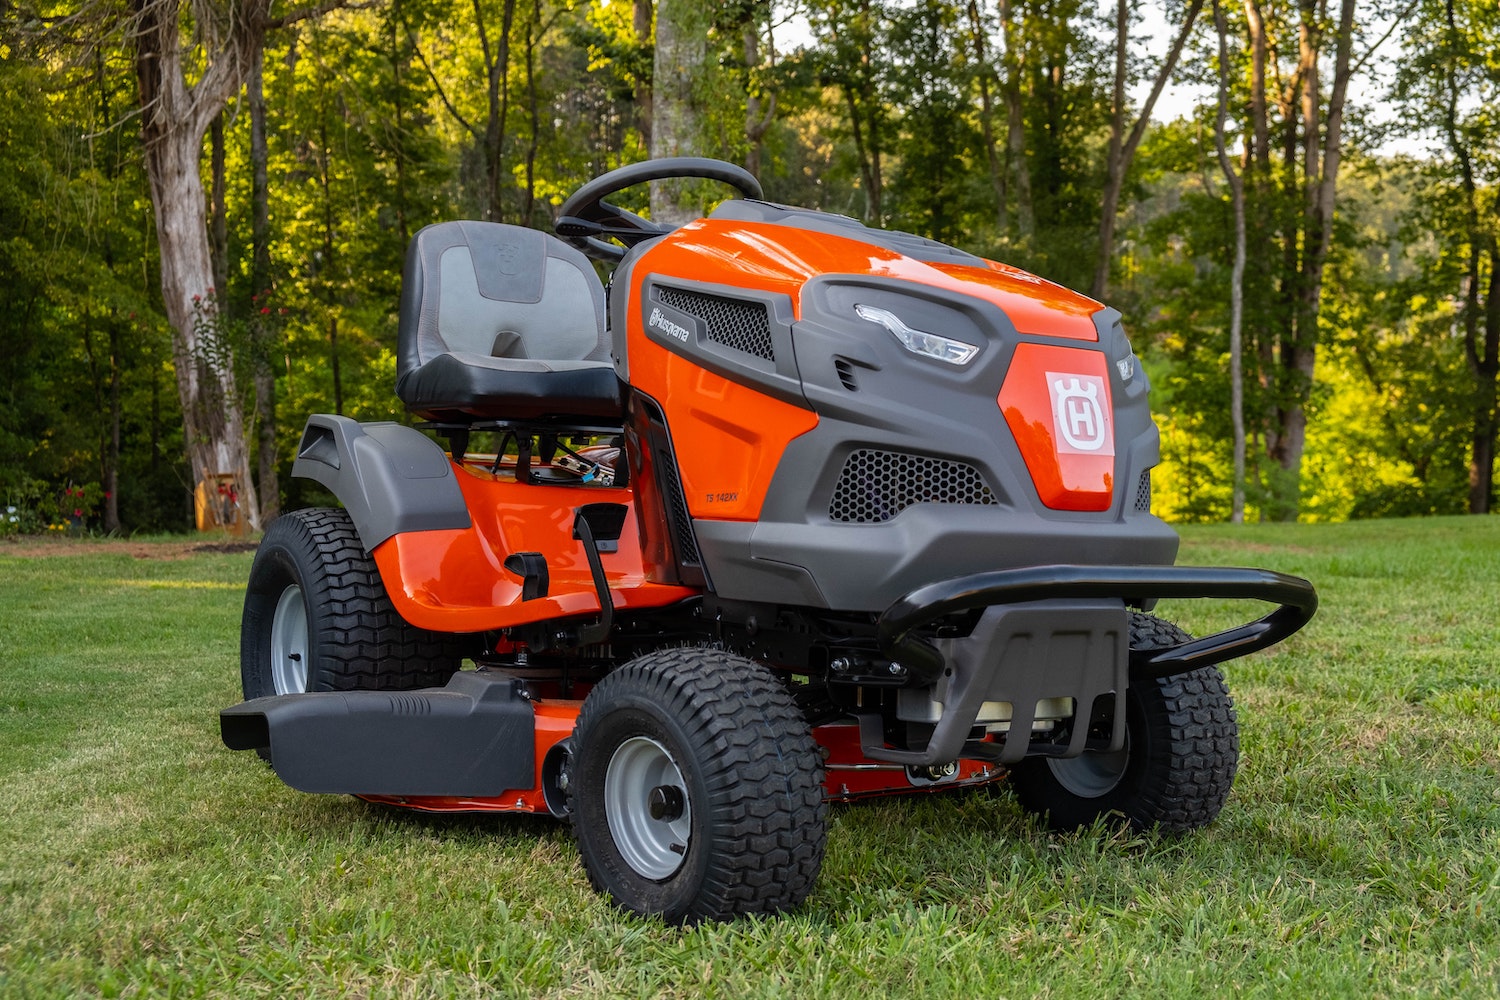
pixel 77 512
pixel 265 310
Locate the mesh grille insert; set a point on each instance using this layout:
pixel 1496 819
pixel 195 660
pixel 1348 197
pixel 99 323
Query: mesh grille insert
pixel 1143 493
pixel 733 323
pixel 877 485
pixel 682 521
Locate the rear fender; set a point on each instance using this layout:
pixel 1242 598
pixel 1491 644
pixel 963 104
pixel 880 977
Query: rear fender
pixel 391 478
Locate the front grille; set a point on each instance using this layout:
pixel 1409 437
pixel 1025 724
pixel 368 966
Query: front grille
pixel 1143 493
pixel 733 323
pixel 877 485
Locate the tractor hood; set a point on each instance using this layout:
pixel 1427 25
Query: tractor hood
pixel 777 248
pixel 926 405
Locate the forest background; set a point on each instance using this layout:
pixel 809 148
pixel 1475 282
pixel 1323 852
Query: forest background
pixel 204 207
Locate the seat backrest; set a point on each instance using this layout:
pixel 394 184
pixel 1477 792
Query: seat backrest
pixel 493 290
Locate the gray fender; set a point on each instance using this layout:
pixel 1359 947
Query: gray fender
pixel 391 478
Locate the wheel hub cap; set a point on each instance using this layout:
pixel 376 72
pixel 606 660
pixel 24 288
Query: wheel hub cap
pixel 648 808
pixel 1092 773
pixel 289 643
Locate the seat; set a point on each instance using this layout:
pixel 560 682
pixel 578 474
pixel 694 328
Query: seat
pixel 502 323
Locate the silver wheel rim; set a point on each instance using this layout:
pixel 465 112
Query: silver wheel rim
pixel 1091 774
pixel 289 643
pixel 653 847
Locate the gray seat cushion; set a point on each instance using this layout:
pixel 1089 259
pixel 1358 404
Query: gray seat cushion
pixel 502 322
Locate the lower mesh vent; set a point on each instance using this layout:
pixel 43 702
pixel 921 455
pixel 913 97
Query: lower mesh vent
pixel 682 521
pixel 1143 493
pixel 878 485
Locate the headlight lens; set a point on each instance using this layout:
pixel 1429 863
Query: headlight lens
pixel 929 345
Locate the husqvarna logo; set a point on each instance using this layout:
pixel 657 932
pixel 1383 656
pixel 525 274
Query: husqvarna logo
pixel 671 329
pixel 1080 414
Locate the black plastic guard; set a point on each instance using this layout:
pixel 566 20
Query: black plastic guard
pixel 474 737
pixel 1023 654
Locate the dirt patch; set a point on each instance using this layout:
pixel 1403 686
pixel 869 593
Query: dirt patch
pixel 225 547
pixel 34 547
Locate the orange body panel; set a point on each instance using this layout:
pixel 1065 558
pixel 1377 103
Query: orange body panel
pixel 728 438
pixel 454 580
pixel 1056 401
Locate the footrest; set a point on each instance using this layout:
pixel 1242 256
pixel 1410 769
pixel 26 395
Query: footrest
pixel 474 737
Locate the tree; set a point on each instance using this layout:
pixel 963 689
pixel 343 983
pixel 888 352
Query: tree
pixel 1237 278
pixel 849 63
pixel 1122 143
pixel 680 62
pixel 175 115
pixel 1449 82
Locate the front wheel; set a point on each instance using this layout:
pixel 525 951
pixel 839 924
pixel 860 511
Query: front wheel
pixel 696 790
pixel 1180 756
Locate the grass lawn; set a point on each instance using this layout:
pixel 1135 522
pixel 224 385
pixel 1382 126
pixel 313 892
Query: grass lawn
pixel 1358 856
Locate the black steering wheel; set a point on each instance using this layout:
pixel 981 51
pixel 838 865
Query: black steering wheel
pixel 586 217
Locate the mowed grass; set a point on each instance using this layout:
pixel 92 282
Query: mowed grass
pixel 1358 856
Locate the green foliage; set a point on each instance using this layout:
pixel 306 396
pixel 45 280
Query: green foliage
pixel 79 321
pixel 382 120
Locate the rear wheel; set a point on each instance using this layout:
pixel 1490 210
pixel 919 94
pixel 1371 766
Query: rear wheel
pixel 1177 766
pixel 317 617
pixel 696 789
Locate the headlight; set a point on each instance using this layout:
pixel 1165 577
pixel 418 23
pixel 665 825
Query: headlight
pixel 929 345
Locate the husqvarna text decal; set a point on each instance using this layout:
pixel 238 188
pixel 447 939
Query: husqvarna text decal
pixel 671 329
pixel 1080 414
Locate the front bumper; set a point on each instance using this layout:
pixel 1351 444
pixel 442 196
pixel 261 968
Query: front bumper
pixel 1060 631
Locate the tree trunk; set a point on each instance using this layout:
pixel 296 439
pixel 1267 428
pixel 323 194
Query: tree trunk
pixel 1236 279
pixel 985 74
pixel 116 418
pixel 1322 154
pixel 643 14
pixel 1487 372
pixel 218 228
pixel 174 119
pixel 263 338
pixel 1015 121
pixel 497 90
pixel 681 51
pixel 760 111
pixel 533 110
pixel 1122 147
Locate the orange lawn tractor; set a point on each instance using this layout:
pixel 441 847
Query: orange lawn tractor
pixel 794 511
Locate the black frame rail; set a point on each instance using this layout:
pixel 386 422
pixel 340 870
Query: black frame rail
pixel 898 626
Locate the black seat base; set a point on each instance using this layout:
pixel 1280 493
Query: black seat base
pixel 463 388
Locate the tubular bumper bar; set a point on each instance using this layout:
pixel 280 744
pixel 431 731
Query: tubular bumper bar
pixel 1295 597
